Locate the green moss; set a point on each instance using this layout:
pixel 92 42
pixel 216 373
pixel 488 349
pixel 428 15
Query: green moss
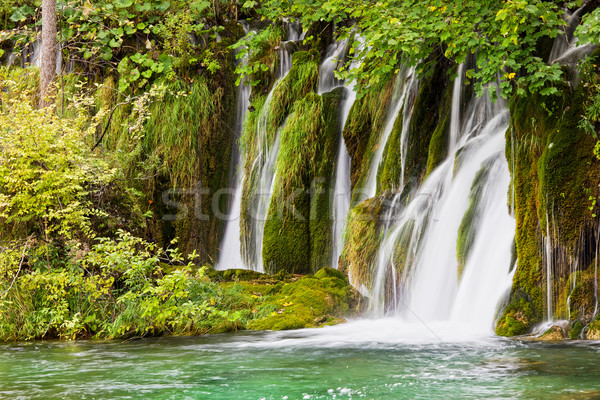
pixel 322 179
pixel 582 296
pixel 302 79
pixel 364 233
pixel 466 230
pixel 364 125
pixel 297 236
pixel 402 257
pixel 308 302
pixel 575 332
pixel 553 174
pixel 518 316
pixel 438 146
pixel 431 109
pixel 286 239
pixel 268 114
pixel 390 172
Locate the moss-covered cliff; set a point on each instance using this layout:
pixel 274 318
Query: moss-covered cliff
pixel 555 178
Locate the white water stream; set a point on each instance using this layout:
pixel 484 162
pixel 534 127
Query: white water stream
pixel 405 82
pixel 426 288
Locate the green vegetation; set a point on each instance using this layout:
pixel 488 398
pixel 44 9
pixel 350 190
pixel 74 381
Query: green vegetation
pixel 148 106
pixel 555 175
pixel 297 236
pixel 364 234
pixel 466 230
pixel 122 288
pixel 363 128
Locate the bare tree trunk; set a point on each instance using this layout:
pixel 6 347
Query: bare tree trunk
pixel 48 61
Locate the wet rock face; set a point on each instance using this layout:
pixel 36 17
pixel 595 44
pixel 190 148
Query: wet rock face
pixel 554 176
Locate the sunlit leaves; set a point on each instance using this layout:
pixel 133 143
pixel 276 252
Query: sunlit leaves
pixel 503 34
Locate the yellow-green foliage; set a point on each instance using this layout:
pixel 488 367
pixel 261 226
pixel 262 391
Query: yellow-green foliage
pixel 120 289
pixel 45 168
pixel 180 128
pixel 262 57
pixel 20 83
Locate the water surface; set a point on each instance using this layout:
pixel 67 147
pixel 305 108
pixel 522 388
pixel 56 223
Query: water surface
pixel 383 359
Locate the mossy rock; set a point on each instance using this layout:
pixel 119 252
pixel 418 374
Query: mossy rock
pixel 593 330
pixel 554 334
pixel 240 275
pixel 364 233
pixel 364 125
pixel 467 228
pixel 576 330
pixel 554 172
pixel 297 236
pixel 582 297
pixel 390 172
pixel 438 146
pixel 323 178
pixel 308 302
pixel 518 316
pixel 431 110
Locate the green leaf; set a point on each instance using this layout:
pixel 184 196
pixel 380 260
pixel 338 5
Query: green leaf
pixel 548 91
pixel 123 3
pixel 200 6
pixel 113 43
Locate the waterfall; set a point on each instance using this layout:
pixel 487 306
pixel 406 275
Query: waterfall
pixel 416 270
pixel 231 250
pixel 555 258
pixel 563 43
pixel 235 251
pixel 455 115
pixel 405 79
pixel 264 169
pixel 285 57
pixel 342 187
pixel 334 56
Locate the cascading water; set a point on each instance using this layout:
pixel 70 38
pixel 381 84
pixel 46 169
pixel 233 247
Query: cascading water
pixel 285 57
pixel 565 50
pixel 455 117
pixel 567 41
pixel 264 169
pixel 405 81
pixel 231 249
pixel 335 55
pixel 416 275
pixel 342 188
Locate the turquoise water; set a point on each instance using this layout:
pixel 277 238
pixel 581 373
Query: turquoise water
pixel 358 360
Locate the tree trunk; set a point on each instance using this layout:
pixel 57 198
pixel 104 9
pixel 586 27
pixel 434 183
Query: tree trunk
pixel 48 61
